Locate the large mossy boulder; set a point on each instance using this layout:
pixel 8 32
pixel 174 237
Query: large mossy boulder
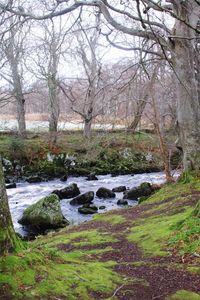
pixel 83 198
pixel 145 189
pixel 68 192
pixel 103 192
pixel 44 214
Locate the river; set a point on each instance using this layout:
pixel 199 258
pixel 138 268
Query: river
pixel 26 194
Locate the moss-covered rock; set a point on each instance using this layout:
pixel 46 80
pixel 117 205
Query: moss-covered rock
pixel 87 209
pixel 68 192
pixel 44 214
pixel 144 189
pixel 105 193
pixel 119 189
pixel 83 198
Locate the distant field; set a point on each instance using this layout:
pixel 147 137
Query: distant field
pixel 38 123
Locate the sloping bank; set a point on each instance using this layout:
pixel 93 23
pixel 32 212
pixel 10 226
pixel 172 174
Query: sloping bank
pixel 151 251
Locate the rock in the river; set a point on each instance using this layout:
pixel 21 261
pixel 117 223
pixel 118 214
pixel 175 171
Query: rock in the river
pixel 83 198
pixel 102 207
pixel 122 202
pixel 63 178
pixel 11 185
pixel 7 180
pixel 44 214
pixel 91 177
pixel 119 189
pixel 34 179
pixel 105 193
pixel 88 209
pixel 145 189
pixel 68 192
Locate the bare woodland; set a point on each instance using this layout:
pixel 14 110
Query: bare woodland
pixel 158 80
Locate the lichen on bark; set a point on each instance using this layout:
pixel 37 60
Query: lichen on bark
pixel 9 241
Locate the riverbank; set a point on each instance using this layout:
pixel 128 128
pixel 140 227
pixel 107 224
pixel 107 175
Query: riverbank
pixel 116 152
pixel 150 251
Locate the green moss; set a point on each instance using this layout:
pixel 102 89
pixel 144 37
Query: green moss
pixel 170 191
pixel 196 211
pixel 82 238
pixel 152 234
pixel 184 295
pixel 186 236
pixel 77 280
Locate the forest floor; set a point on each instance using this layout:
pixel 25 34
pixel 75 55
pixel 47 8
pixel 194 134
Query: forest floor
pixel 151 251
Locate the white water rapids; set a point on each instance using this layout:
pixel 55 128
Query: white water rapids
pixel 26 194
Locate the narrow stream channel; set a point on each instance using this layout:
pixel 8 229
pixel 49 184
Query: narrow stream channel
pixel 26 194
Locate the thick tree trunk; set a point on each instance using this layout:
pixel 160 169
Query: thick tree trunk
pixel 8 239
pixel 53 105
pixel 21 115
pixel 87 128
pixel 17 89
pixel 188 111
pixel 140 108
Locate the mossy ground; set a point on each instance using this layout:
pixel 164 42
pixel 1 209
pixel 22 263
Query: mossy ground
pixel 147 252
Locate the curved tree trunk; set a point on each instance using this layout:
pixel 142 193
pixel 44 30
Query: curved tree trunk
pixel 8 239
pixel 138 115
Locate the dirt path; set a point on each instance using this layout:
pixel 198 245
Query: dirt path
pixel 145 277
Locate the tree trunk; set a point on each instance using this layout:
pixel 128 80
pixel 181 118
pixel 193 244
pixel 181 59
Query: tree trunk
pixel 87 128
pixel 8 239
pixel 53 105
pixel 140 108
pixel 17 89
pixel 188 110
pixel 54 109
pixel 21 115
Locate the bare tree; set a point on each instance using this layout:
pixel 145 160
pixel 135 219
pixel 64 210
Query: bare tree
pixel 47 53
pixel 88 102
pixel 12 54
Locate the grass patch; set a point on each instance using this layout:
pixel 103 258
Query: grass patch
pixel 152 234
pixel 82 238
pixel 184 295
pixel 186 238
pixel 47 274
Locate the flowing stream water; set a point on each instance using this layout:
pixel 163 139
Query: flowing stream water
pixel 26 194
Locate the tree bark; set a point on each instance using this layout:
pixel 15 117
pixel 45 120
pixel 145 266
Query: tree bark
pixel 8 239
pixel 140 108
pixel 20 101
pixel 188 110
pixel 12 51
pixel 53 104
pixel 21 115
